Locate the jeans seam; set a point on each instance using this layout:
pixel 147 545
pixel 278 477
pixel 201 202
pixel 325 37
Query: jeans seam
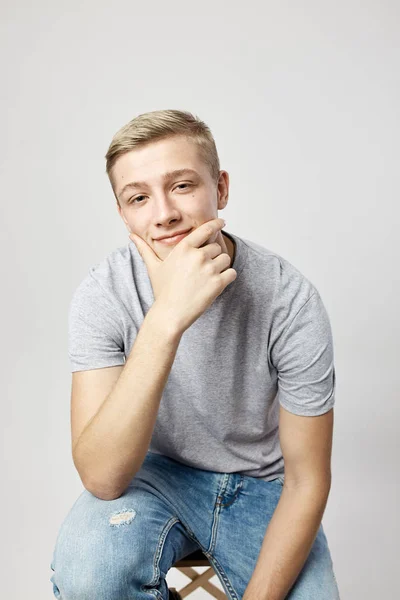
pixel 218 568
pixel 217 510
pixel 156 561
pixel 208 553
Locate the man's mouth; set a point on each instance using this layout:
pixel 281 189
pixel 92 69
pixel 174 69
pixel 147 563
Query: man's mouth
pixel 169 241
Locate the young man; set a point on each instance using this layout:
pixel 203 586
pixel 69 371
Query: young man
pixel 202 396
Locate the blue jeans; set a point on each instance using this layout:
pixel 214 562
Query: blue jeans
pixel 122 549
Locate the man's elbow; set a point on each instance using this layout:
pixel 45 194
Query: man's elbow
pixel 102 492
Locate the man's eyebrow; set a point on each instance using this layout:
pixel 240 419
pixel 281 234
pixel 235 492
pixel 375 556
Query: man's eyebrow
pixel 166 177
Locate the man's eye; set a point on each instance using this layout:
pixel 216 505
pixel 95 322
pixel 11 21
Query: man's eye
pixel 132 200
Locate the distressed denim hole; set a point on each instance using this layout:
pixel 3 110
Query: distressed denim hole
pixel 122 517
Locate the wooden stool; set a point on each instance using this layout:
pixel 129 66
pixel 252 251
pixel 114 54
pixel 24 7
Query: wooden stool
pixel 199 580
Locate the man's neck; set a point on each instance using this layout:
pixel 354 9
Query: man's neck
pixel 230 247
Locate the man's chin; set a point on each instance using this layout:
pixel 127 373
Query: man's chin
pixel 164 254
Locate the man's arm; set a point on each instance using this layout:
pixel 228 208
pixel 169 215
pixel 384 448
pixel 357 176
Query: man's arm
pixel 306 444
pixel 112 447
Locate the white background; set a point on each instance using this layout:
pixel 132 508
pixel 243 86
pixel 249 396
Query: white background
pixel 303 101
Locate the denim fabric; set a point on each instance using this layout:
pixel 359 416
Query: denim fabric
pixel 122 549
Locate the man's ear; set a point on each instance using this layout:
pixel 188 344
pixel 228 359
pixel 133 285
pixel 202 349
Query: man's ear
pixel 222 190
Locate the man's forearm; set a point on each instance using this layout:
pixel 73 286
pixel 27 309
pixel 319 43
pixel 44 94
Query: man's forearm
pixel 112 447
pixel 287 542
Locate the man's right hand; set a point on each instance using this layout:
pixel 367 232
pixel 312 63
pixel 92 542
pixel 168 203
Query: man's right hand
pixel 194 273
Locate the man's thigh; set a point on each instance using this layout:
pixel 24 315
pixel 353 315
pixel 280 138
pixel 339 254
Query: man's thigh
pixel 115 548
pixel 240 524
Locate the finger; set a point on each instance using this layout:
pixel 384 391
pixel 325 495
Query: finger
pixel 202 233
pixel 222 262
pixel 228 276
pixel 212 250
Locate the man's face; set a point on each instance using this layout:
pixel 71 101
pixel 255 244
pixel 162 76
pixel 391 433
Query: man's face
pixel 158 205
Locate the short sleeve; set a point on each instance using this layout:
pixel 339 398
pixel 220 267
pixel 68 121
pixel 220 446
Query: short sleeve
pixel 95 331
pixel 303 356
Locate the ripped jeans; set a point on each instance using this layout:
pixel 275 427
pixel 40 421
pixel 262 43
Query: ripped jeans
pixel 122 549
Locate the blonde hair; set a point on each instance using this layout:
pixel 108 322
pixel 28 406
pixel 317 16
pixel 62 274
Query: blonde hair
pixel 158 124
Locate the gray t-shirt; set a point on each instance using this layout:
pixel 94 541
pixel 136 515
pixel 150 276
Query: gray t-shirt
pixel 266 339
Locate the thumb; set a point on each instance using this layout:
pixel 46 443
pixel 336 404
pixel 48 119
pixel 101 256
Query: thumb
pixel 148 255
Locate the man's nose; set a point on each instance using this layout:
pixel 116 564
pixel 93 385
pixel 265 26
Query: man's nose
pixel 165 210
